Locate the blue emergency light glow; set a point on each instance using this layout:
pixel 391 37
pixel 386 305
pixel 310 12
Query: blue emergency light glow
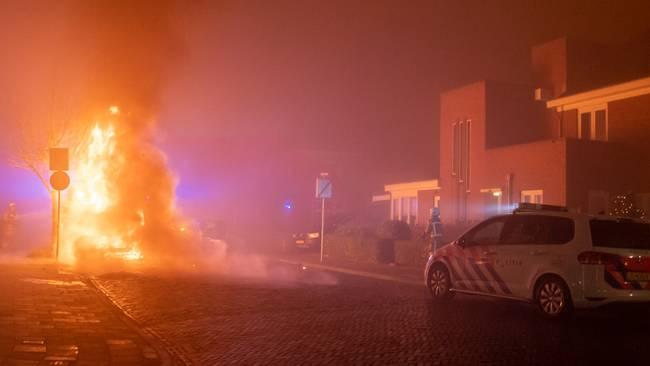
pixel 288 205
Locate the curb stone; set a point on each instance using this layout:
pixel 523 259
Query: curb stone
pixel 167 352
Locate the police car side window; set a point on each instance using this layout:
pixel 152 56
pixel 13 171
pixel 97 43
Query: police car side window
pixel 487 233
pixel 518 230
pixel 556 230
pixel 537 229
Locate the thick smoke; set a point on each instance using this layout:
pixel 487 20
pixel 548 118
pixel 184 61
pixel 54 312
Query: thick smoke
pixel 70 61
pixel 129 49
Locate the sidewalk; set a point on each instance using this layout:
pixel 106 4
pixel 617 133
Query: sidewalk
pixel 52 317
pixel 401 274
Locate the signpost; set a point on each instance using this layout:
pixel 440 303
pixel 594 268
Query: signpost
pixel 323 191
pixel 59 162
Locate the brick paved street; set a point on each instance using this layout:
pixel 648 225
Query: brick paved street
pixel 51 317
pixel 310 317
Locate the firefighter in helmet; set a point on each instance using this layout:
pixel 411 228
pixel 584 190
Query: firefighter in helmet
pixel 434 228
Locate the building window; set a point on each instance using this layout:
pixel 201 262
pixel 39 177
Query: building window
pixel 592 124
pixel 461 138
pixel 395 209
pixel 413 210
pixel 532 196
pixel 455 152
pixel 405 209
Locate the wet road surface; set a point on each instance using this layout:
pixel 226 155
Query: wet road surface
pixel 293 316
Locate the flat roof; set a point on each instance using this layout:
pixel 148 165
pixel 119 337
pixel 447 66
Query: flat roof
pixel 602 95
pixel 421 185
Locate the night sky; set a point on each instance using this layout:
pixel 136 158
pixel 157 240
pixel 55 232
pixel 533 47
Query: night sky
pixel 249 82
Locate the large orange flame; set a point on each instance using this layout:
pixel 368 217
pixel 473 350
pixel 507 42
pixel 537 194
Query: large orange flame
pixel 87 226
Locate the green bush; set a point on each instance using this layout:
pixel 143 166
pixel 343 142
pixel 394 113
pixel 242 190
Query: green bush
pixel 395 230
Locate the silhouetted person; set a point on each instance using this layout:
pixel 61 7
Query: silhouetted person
pixel 434 228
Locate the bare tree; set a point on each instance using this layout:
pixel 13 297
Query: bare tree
pixel 36 133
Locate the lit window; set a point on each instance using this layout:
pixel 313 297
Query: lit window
pixel 592 124
pixel 413 210
pixel 395 209
pixel 404 214
pixel 585 126
pixel 532 196
pixel 600 125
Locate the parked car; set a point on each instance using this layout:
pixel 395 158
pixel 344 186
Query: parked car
pixel 548 256
pixel 306 240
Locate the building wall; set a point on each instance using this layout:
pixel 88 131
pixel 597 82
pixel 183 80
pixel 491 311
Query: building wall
pixel 500 122
pixel 463 103
pixel 596 166
pixel 569 123
pixel 513 116
pixel 516 144
pixel 549 63
pixel 629 123
pixel 567 66
pixel 619 165
pixel 532 166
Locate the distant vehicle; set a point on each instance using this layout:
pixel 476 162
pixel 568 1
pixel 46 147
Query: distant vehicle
pixel 545 255
pixel 208 235
pixel 308 240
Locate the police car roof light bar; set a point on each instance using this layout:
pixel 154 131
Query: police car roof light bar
pixel 527 206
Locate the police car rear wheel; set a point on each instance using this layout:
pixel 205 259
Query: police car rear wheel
pixel 553 297
pixel 440 283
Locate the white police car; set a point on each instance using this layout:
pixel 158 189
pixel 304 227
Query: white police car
pixel 549 256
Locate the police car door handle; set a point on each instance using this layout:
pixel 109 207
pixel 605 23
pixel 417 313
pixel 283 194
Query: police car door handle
pixel 538 252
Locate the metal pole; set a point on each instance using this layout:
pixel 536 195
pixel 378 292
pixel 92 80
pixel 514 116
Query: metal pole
pixel 322 228
pixel 58 224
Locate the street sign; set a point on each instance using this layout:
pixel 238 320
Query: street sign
pixel 59 180
pixel 323 191
pixel 59 158
pixel 323 188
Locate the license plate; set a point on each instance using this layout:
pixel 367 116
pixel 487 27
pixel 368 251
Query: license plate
pixel 300 242
pixel 637 276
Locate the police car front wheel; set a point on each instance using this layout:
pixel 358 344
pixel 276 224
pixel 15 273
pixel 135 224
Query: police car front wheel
pixel 440 283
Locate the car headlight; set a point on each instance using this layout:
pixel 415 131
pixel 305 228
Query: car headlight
pixel 313 235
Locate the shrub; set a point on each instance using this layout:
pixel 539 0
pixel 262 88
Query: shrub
pixel 395 230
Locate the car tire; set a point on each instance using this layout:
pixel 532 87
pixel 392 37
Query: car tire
pixel 439 283
pixel 553 298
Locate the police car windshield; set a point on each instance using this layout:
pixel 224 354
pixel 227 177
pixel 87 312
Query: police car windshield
pixel 620 234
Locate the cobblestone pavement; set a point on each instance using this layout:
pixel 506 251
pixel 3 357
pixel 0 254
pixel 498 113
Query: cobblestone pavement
pixel 303 317
pixel 49 317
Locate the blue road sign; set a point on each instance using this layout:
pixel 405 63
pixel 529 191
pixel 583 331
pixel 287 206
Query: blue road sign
pixel 323 188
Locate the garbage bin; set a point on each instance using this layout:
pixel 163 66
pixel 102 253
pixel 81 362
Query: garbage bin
pixel 386 251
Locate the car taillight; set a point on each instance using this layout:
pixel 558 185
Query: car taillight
pixel 597 258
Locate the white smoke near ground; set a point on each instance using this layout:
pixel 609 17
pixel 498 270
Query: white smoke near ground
pixel 246 267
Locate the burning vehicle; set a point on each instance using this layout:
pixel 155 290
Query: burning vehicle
pixel 120 205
